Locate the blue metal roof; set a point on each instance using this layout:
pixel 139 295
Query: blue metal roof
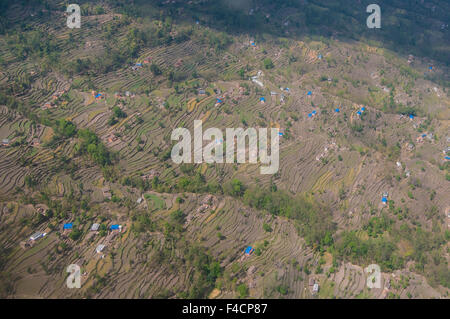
pixel 68 226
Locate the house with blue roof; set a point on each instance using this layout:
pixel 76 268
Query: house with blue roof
pixel 309 92
pixel 262 99
pixel 249 250
pixel 384 200
pixel 68 226
pixel 337 110
pixel 359 113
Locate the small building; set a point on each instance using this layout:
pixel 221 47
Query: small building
pixel 5 142
pixel 249 250
pixel 359 113
pixel 316 288
pixel 68 226
pixel 116 227
pixel 384 200
pixel 95 227
pixel 311 281
pixel 309 93
pixel 201 92
pixel 262 99
pixel 106 192
pixel 139 200
pixel 100 248
pixel 37 235
pixel 35 142
pixel 47 105
pixel 337 110
pixel 179 63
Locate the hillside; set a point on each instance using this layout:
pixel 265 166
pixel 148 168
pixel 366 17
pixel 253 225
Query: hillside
pixel 86 117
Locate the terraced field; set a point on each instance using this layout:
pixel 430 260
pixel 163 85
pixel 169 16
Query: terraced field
pixel 358 122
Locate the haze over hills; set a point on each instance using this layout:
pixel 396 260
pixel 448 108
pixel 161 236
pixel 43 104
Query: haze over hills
pixel 86 122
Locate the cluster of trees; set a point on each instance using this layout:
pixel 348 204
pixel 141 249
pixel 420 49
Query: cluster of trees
pixel 90 144
pixel 381 251
pixel 118 113
pixel 378 225
pixel 206 272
